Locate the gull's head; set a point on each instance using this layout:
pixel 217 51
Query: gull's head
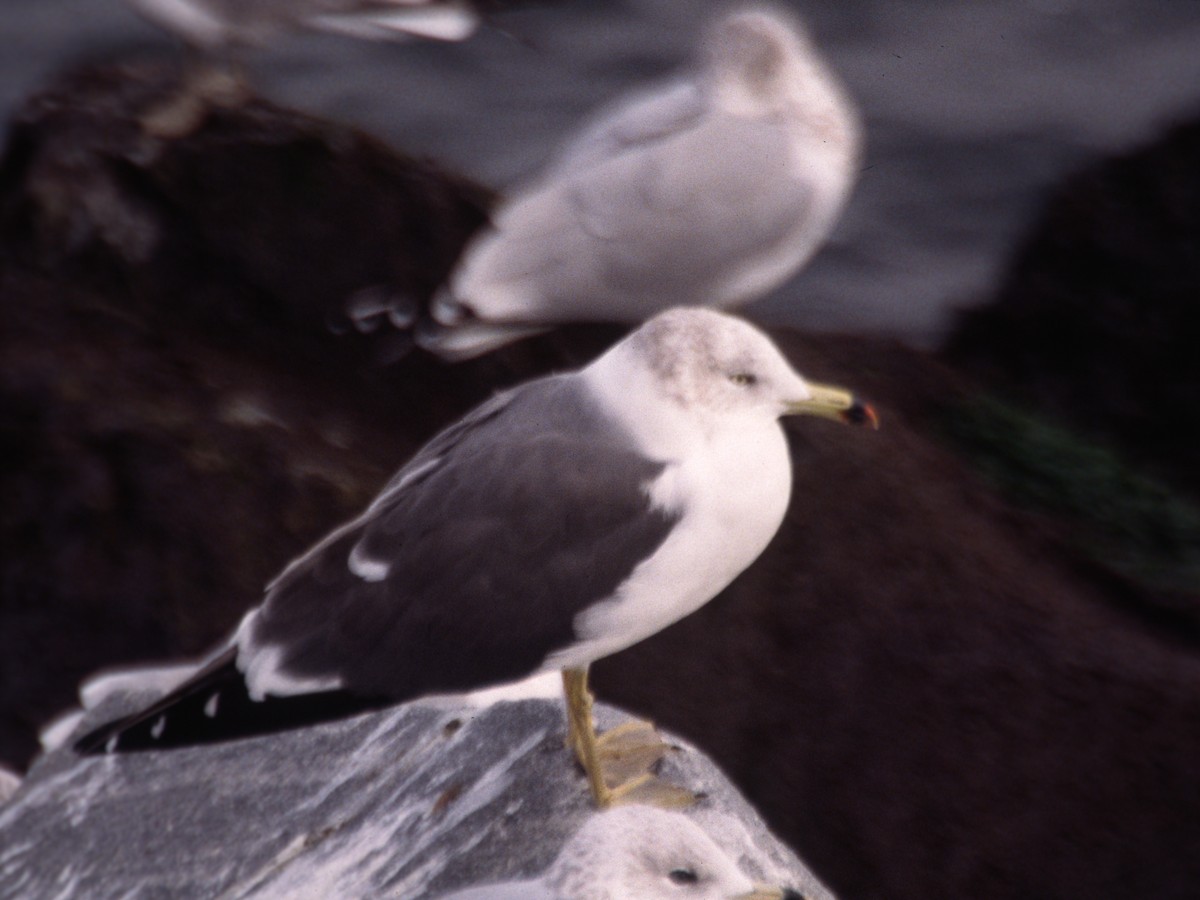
pixel 717 369
pixel 640 851
pixel 761 61
pixel 758 52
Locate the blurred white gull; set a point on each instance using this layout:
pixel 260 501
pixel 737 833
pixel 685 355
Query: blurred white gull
pixel 212 24
pixel 218 29
pixel 635 852
pixel 710 189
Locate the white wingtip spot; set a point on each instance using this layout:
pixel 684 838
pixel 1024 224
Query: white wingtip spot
pixel 366 568
pixel 157 729
pixel 210 706
pixel 110 746
pixel 263 668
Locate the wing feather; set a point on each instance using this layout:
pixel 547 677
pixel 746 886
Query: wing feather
pixel 512 527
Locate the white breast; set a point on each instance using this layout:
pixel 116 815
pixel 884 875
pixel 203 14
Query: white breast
pixel 732 497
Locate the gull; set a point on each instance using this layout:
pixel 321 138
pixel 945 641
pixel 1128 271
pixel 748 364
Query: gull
pixel 216 24
pixel 635 852
pixel 710 190
pixel 558 523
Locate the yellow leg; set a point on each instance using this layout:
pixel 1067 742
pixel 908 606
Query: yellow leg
pixel 581 733
pixel 628 746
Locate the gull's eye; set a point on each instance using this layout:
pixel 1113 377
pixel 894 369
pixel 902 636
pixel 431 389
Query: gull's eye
pixel 743 379
pixel 683 876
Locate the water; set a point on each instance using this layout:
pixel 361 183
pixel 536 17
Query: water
pixel 972 110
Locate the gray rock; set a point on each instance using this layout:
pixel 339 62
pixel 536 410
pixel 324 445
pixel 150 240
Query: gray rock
pixel 413 802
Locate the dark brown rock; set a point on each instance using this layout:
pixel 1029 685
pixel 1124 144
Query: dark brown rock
pixel 260 221
pixel 1097 318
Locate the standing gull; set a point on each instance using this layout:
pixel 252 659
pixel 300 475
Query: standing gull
pixel 558 523
pixel 636 852
pixel 711 190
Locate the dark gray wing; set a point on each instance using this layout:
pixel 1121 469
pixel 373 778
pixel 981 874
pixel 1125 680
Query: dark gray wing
pixel 443 442
pixel 478 556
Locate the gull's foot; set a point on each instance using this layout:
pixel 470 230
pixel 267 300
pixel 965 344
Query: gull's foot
pixel 650 790
pixel 627 755
pixel 629 750
pixel 617 763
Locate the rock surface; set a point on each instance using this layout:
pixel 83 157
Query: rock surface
pixel 411 803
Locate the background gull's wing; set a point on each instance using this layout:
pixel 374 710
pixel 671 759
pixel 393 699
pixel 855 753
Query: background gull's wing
pixel 653 115
pixel 673 201
pixel 591 245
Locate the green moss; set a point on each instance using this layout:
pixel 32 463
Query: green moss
pixel 1126 520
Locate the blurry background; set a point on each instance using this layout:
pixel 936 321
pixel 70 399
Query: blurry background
pixel 968 666
pixel 972 109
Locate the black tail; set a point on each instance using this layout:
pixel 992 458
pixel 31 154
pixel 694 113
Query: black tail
pixel 215 705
